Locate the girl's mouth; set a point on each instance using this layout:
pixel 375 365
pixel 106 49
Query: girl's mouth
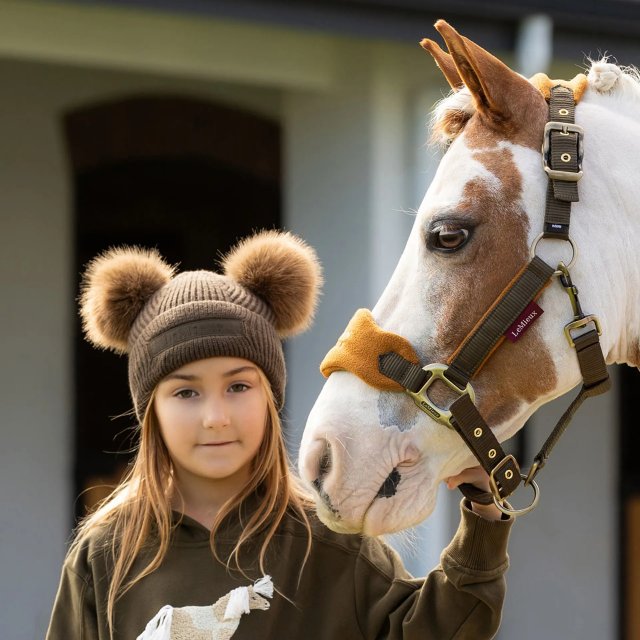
pixel 216 444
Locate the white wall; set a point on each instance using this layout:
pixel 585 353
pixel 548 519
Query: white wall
pixel 35 342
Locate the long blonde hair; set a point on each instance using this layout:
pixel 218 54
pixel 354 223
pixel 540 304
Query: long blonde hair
pixel 141 503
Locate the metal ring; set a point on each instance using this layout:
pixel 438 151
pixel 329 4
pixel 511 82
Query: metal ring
pixel 574 250
pixel 510 511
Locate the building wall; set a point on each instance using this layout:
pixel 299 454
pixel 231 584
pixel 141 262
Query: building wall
pixel 35 396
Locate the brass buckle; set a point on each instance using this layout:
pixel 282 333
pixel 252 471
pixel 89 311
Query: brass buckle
pixel 501 503
pixel 579 324
pixel 421 398
pixel 495 490
pixel 565 129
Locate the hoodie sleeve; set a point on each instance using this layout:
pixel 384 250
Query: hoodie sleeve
pixel 460 599
pixel 74 610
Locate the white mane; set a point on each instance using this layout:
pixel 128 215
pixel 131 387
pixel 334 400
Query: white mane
pixel 606 79
pixel 614 81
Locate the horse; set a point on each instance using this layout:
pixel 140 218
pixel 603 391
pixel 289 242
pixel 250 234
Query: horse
pixel 218 621
pixel 374 450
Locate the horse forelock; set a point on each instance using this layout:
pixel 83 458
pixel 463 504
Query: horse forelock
pixel 450 115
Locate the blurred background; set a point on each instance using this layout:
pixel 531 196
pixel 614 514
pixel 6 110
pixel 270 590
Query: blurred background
pixel 185 124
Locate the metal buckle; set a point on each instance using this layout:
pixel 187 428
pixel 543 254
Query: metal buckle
pixel 579 324
pixel 500 502
pixel 565 129
pixel 495 490
pixel 421 398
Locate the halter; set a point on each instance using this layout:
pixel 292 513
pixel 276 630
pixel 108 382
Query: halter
pixel 388 361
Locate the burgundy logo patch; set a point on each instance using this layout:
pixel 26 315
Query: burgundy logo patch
pixel 524 321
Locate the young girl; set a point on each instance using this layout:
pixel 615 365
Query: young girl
pixel 209 523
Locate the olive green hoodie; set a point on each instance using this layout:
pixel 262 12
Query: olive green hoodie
pixel 351 587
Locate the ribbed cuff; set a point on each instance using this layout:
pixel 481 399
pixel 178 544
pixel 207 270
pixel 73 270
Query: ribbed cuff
pixel 479 544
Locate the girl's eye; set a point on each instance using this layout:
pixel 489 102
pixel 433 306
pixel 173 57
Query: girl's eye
pixel 446 240
pixel 239 387
pixel 185 394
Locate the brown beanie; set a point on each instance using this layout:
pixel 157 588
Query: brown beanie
pixel 132 302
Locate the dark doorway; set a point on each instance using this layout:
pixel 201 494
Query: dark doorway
pixel 185 176
pixel 629 504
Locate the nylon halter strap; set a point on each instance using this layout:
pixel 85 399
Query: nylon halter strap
pixel 562 157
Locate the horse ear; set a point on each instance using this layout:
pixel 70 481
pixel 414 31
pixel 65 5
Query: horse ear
pixel 445 62
pixel 493 85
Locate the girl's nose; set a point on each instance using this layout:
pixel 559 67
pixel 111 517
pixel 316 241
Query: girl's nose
pixel 216 416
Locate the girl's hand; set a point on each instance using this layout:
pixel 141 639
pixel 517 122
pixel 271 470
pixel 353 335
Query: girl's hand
pixel 476 476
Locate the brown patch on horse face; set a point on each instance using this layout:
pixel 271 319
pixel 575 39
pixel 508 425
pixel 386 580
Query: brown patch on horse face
pixel 517 372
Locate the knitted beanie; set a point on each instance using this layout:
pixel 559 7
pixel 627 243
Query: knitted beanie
pixel 133 302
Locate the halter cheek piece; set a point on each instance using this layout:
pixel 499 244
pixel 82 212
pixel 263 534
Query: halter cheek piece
pixel 387 361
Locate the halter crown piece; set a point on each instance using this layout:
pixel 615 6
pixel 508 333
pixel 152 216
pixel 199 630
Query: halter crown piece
pixel 387 361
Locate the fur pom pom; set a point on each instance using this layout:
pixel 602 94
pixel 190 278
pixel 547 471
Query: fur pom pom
pixel 115 287
pixel 284 271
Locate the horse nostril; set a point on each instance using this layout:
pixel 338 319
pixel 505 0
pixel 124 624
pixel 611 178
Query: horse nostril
pixel 324 466
pixel 390 485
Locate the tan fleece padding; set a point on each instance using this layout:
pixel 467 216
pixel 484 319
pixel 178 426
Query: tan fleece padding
pixel 359 347
pixel 544 84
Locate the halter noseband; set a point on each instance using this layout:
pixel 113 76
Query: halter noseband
pixel 388 361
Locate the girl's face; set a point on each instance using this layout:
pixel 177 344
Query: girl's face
pixel 212 415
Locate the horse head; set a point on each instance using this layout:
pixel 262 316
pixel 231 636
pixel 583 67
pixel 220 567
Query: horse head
pixel 373 457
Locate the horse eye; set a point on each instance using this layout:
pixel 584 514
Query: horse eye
pixel 446 240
